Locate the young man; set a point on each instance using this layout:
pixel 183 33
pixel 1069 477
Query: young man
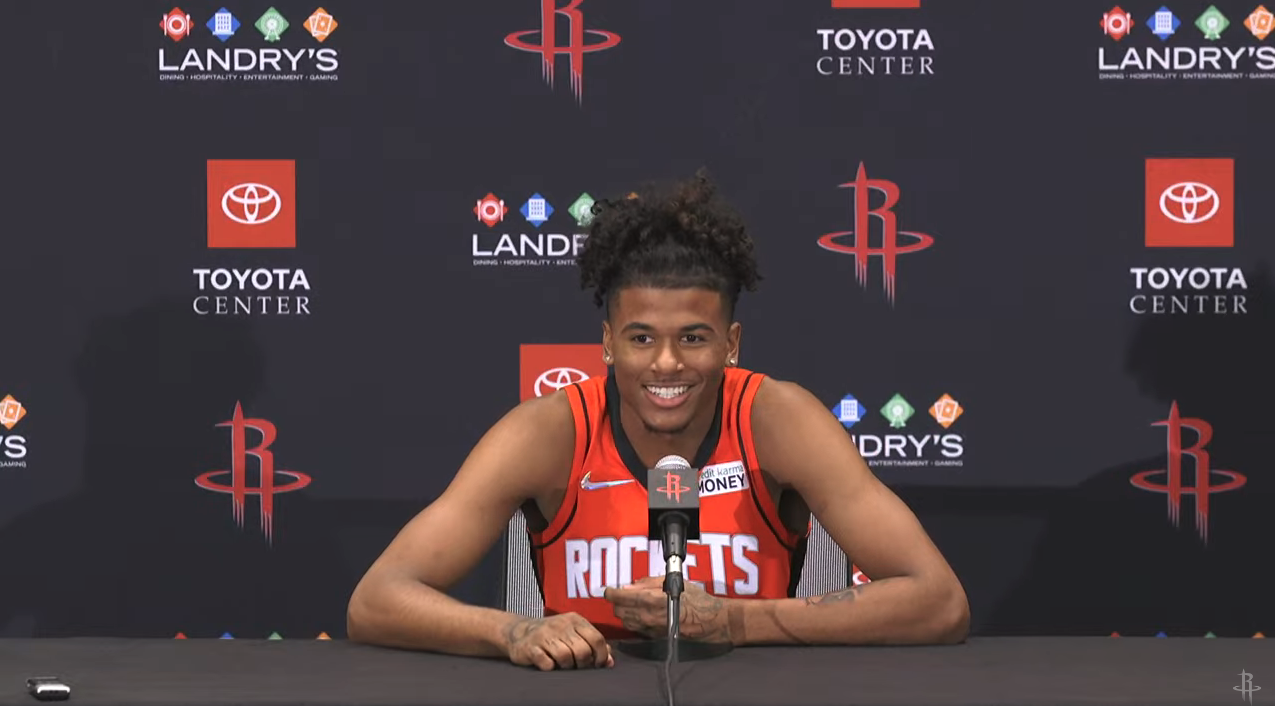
pixel 668 270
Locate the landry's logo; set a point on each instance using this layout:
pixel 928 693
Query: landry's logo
pixel 899 447
pixel 512 245
pixel 1172 482
pixel 1162 46
pixel 219 60
pixel 576 46
pixel 238 487
pixel 860 247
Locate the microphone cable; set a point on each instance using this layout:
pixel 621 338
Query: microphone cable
pixel 668 679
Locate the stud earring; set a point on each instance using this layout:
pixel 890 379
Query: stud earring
pixel 731 362
pixel 606 358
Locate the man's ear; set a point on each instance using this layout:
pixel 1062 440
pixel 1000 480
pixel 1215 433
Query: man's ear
pixel 733 335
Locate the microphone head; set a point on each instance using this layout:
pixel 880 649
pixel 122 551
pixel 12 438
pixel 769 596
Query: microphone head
pixel 671 463
pixel 672 489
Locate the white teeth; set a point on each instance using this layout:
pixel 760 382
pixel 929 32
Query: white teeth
pixel 667 393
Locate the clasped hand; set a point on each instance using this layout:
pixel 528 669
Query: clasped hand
pixel 643 608
pixel 568 641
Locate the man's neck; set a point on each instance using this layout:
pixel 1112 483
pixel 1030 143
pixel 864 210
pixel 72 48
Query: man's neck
pixel 652 446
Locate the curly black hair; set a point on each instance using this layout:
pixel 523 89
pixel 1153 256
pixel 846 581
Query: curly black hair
pixel 677 238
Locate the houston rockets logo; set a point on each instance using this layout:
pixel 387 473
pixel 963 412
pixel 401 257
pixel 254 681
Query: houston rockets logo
pixel 238 488
pixel 673 487
pixel 576 48
pixel 1173 486
pixel 860 247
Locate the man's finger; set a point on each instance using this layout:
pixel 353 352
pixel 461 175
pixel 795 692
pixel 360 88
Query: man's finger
pixel 618 596
pixel 649 598
pixel 601 651
pixel 637 596
pixel 561 653
pixel 542 661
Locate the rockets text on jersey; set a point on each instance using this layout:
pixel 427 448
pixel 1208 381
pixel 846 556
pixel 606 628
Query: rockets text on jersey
pixel 715 559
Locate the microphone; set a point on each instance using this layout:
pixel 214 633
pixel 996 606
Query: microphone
pixel 672 492
pixel 672 489
pixel 673 509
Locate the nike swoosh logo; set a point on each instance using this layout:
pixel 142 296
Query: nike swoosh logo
pixel 586 485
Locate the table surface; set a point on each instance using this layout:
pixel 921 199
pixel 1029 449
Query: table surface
pixel 982 672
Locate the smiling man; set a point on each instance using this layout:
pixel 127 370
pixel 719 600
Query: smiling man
pixel 667 269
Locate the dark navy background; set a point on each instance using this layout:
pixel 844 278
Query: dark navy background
pixel 1024 167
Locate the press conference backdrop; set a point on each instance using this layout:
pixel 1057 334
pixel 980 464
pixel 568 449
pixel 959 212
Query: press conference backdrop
pixel 271 269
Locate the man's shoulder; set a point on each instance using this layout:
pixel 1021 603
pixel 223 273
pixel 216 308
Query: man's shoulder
pixel 540 420
pixel 546 409
pixel 539 435
pixel 781 392
pixel 783 402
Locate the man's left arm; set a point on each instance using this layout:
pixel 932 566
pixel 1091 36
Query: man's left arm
pixel 913 597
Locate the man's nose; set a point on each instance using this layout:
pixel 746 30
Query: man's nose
pixel 669 359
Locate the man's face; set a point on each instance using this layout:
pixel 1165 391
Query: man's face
pixel 669 348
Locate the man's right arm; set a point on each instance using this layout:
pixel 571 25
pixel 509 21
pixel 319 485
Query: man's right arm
pixel 402 600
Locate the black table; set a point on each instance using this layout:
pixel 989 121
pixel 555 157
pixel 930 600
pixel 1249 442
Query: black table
pixel 982 672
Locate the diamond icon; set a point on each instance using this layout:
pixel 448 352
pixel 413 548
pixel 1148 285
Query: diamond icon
pixel 1164 23
pixel 1260 22
pixel 1116 23
pixel 11 412
pixel 320 25
pixel 849 411
pixel 897 411
pixel 271 25
pixel 223 25
pixel 582 210
pixel 946 410
pixel 1212 23
pixel 537 210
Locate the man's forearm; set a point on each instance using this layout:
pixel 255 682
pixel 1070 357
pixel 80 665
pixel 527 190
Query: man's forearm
pixel 893 611
pixel 411 615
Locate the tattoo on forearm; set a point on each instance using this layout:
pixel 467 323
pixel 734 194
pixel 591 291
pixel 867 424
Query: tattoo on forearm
pixel 700 611
pixel 630 619
pixel 844 595
pixel 521 630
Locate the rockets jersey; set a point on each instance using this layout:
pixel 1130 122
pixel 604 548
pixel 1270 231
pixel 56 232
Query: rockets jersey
pixel 599 537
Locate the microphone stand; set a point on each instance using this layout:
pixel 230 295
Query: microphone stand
pixel 673 587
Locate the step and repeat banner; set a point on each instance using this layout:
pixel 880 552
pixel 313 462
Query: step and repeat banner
pixel 272 268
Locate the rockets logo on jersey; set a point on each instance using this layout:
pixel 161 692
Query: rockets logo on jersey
pixel 719 563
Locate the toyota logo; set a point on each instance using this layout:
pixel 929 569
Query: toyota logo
pixel 1189 202
pixel 249 200
pixel 555 379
